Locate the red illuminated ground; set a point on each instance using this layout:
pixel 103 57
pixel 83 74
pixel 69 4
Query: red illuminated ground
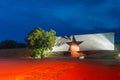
pixel 59 69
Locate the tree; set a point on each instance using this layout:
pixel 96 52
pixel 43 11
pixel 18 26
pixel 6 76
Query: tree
pixel 8 44
pixel 21 45
pixel 40 41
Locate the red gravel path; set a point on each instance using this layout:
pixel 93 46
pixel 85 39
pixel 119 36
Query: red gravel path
pixel 58 69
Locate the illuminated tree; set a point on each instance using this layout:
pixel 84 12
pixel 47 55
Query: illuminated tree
pixel 40 41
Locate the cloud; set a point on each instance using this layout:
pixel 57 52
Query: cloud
pixel 83 17
pixel 65 16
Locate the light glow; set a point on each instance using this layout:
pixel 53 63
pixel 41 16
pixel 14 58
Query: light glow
pixel 119 54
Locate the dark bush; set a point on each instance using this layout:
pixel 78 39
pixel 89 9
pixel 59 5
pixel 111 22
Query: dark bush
pixel 8 44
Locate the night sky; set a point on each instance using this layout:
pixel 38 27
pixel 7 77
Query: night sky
pixel 66 17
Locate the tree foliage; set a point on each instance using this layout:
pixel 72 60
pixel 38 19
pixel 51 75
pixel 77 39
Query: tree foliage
pixel 8 44
pixel 21 45
pixel 40 41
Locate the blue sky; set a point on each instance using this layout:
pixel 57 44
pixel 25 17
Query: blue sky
pixel 66 17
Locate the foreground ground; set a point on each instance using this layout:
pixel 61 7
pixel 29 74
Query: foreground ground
pixel 59 69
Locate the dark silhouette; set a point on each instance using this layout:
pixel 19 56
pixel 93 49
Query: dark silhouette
pixel 10 44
